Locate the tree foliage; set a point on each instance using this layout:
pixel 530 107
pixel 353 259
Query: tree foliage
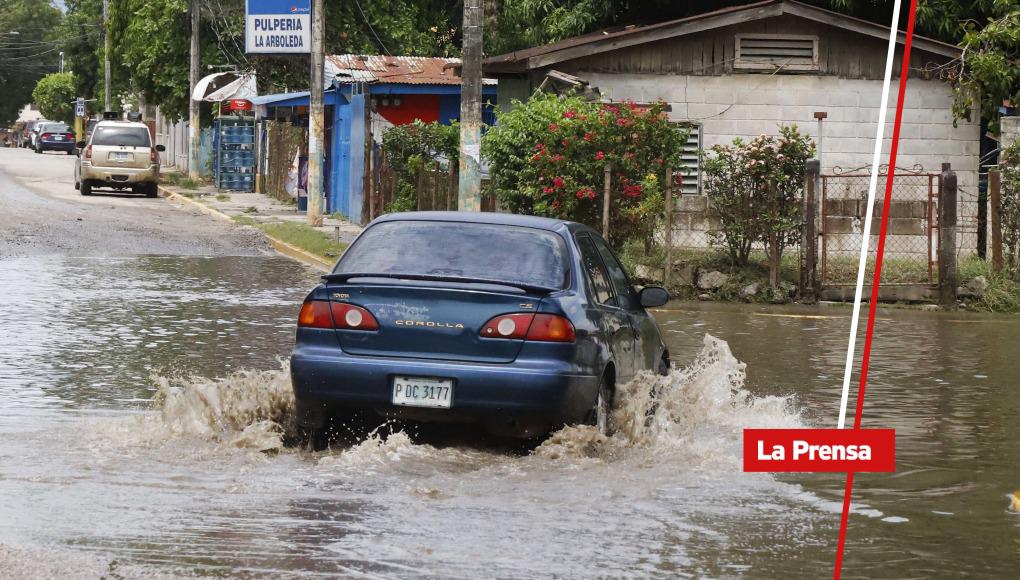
pixel 54 94
pixel 755 189
pixel 548 157
pixel 1009 208
pixel 28 55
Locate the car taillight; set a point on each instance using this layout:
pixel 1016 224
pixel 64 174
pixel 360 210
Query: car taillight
pixel 538 327
pixel 351 317
pixel 47 135
pixel 323 314
pixel 315 314
pixel 153 155
pixel 88 152
pixel 70 135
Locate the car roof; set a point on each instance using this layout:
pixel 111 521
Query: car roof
pixel 477 217
pixel 122 123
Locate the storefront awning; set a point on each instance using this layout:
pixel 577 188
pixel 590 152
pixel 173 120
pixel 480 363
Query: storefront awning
pixel 223 86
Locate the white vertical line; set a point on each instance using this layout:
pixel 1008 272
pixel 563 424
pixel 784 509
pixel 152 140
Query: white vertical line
pixel 872 186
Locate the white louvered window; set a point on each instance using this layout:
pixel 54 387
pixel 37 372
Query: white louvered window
pixel 690 161
pixel 768 52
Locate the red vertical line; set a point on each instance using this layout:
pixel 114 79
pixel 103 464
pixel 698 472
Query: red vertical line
pixel 873 305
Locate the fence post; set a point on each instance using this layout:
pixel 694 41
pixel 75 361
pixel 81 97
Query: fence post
pixel 607 176
pixel 947 237
pixel 809 238
pixel 669 228
pixel 995 200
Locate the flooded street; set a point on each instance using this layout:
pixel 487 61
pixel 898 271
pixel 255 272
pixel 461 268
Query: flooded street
pixel 96 478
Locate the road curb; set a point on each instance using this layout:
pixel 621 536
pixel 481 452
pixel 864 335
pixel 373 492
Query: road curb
pixel 287 249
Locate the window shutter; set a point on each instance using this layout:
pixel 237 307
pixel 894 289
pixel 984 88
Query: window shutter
pixel 690 162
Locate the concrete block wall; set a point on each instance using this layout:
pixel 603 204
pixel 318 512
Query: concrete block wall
pixel 747 105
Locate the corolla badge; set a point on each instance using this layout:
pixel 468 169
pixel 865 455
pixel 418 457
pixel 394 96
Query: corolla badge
pixel 429 324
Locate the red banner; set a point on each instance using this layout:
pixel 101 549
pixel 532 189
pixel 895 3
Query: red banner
pixel 819 450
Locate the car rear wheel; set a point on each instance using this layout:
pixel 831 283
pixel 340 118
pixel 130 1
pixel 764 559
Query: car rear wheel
pixel 150 190
pixel 85 188
pixel 663 367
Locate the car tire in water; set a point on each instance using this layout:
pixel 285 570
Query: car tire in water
pixel 663 367
pixel 602 408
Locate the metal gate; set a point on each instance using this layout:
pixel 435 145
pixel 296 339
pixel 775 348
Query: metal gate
pixel 912 238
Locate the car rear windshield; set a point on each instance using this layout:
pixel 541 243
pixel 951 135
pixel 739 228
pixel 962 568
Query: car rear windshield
pixel 489 252
pixel 55 129
pixel 121 136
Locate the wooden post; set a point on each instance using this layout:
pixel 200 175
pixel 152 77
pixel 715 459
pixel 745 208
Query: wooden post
pixel 947 237
pixel 451 188
pixel 470 192
pixel 809 238
pixel 607 176
pixel 669 227
pixel 419 185
pixel 995 200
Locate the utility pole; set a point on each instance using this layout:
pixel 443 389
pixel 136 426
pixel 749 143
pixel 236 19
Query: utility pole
pixel 195 122
pixel 316 120
pixel 470 191
pixel 106 56
pixel 61 62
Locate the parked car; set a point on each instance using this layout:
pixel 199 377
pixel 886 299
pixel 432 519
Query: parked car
pixel 119 155
pixel 55 137
pixel 26 135
pixel 518 323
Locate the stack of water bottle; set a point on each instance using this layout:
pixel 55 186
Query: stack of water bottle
pixel 237 157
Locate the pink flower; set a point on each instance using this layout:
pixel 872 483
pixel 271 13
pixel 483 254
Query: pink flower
pixel 599 156
pixel 553 127
pixel 569 115
pixel 557 158
pixel 588 136
pixel 635 136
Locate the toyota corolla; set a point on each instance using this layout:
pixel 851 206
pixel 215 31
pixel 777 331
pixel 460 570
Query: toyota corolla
pixel 517 323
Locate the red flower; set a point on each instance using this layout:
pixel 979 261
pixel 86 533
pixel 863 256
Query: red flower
pixel 632 190
pixel 556 204
pixel 547 190
pixel 565 142
pixel 621 122
pixel 553 127
pixel 536 156
pixel 588 136
pixel 586 193
pixel 557 182
pixel 569 115
pixel 599 156
pixel 557 158
pixel 659 160
pixel 539 146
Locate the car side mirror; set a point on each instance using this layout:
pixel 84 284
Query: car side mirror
pixel 653 296
pixel 81 144
pixel 160 148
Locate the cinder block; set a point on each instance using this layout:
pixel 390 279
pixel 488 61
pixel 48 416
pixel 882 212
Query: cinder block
pixel 692 203
pixel 905 227
pixel 838 225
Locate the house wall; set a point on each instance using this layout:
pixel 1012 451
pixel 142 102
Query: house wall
pixel 746 105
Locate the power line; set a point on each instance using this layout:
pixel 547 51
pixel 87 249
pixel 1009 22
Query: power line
pixel 365 18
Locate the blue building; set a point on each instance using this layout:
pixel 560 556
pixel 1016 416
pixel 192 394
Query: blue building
pixel 365 96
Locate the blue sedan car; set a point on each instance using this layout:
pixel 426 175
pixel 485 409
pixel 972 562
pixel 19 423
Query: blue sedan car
pixel 517 323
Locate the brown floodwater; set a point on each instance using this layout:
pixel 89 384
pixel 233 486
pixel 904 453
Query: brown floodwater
pixel 143 403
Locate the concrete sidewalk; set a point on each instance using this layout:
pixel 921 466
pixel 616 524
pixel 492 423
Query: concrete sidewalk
pixel 260 209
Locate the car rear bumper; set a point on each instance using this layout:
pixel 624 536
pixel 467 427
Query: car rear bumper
pixel 56 146
pixel 542 394
pixel 119 175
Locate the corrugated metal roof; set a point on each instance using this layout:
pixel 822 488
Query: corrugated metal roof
pixel 406 70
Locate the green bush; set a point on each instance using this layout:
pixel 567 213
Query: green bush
pixel 418 145
pixel 548 156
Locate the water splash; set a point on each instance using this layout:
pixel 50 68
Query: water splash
pixel 698 411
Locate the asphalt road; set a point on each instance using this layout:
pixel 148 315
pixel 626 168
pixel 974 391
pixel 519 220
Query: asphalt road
pixel 41 213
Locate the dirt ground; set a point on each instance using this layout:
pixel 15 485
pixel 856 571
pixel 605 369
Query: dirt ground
pixel 41 213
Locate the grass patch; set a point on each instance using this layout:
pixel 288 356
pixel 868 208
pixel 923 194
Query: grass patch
pixel 251 209
pixel 1003 292
pixel 298 234
pixel 180 180
pixel 222 197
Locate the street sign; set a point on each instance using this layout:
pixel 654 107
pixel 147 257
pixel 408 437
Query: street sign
pixel 278 26
pixel 79 107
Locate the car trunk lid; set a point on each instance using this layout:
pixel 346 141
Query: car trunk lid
pixel 432 320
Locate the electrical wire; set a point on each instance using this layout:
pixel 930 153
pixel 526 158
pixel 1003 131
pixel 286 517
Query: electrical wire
pixel 365 18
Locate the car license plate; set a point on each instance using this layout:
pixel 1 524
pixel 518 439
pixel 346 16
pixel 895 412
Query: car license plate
pixel 59 138
pixel 423 392
pixel 121 156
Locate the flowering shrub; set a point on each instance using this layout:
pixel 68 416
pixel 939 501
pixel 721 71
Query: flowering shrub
pixel 548 156
pixel 755 189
